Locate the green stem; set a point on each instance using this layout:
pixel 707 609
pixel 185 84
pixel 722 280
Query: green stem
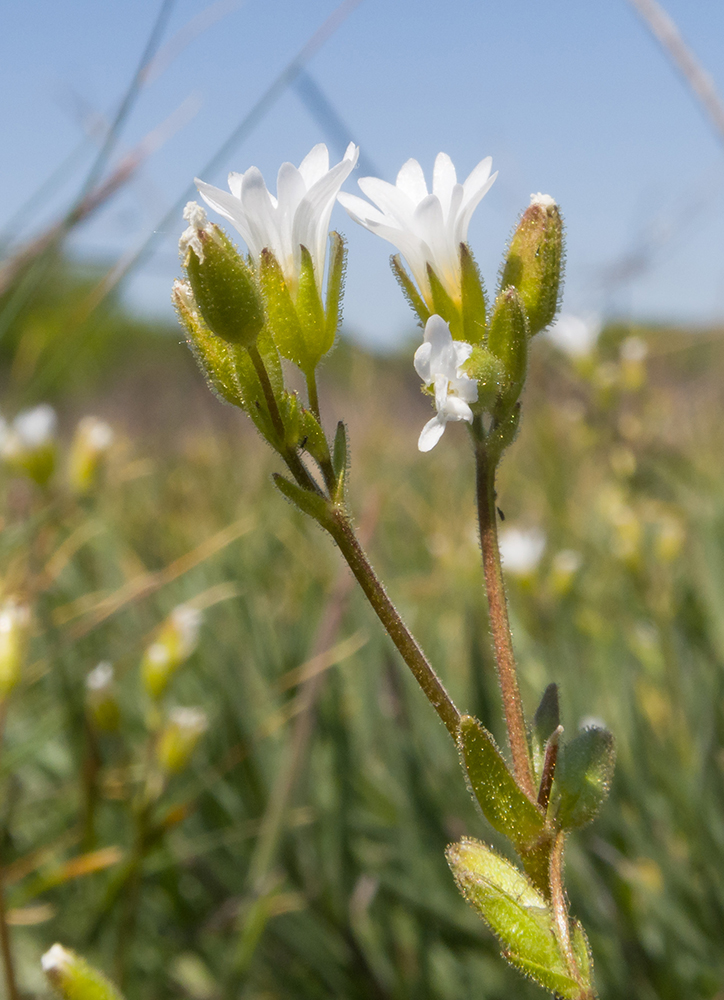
pixel 499 623
pixel 340 528
pixel 290 456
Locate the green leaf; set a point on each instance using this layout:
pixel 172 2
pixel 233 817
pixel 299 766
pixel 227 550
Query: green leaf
pixel 282 317
pixel 310 313
pixel 583 776
pixel 444 305
pixel 473 297
pixel 504 805
pixel 313 504
pixel 339 459
pixel 335 288
pixel 558 983
pixel 410 291
pixel 545 721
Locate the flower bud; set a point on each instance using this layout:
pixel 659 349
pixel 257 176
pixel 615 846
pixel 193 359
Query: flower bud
pixel 179 737
pixel 508 341
pixel 176 641
pixel 224 285
pixel 28 445
pixel 101 698
pixel 14 638
pixel 74 978
pixel 534 264
pixel 90 446
pixel 488 372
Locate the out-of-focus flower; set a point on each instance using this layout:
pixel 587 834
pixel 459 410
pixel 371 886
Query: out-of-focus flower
pixel 74 978
pixel 28 444
pixel 179 737
pixel 575 335
pixel 101 697
pixel 521 549
pixel 564 567
pixel 176 641
pixel 427 228
pixel 438 362
pixel 14 638
pixel 298 216
pixel 93 438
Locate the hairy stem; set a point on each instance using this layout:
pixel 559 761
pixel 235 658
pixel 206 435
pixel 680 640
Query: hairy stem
pixel 499 624
pixel 341 530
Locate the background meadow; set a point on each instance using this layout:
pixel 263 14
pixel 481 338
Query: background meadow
pixel 300 853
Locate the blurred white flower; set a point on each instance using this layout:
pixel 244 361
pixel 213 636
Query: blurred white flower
pixel 634 349
pixel 57 958
pixel 189 719
pixel 30 430
pixel 187 622
pixel 427 228
pixel 438 362
pixel 521 549
pixel 100 678
pixel 575 335
pixel 298 216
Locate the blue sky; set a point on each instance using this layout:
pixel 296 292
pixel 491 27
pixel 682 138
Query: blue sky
pixel 571 99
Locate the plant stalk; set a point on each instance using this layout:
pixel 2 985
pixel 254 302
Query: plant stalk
pixel 499 623
pixel 340 528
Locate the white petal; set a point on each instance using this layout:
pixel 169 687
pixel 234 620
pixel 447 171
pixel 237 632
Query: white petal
pixel 470 203
pixel 311 222
pixel 444 180
pixel 431 433
pixel 396 205
pixel 230 207
pixel 260 214
pixel 456 409
pixel 290 191
pixel 360 210
pixel 235 180
pixel 315 164
pixel 411 180
pixel 421 362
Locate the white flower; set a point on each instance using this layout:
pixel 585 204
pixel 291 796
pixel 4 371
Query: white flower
pixel 186 620
pixel 57 958
pixel 30 430
pixel 520 550
pixel 191 720
pixel 298 216
pixel 100 678
pixel 576 336
pixel 426 228
pixel 438 362
pixel 634 349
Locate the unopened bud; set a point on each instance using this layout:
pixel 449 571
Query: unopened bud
pixel 14 638
pixel 28 445
pixel 223 284
pixel 101 698
pixel 534 263
pixel 90 446
pixel 179 737
pixel 508 341
pixel 74 978
pixel 176 641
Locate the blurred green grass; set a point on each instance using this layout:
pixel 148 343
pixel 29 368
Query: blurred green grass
pixel 354 898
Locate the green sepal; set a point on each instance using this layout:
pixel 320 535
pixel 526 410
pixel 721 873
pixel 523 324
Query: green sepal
pixel 410 291
pixel 251 393
pixel 516 912
pixel 534 263
pixel 583 776
pixel 313 439
pixel 313 504
pixel 545 721
pixel 474 308
pixel 225 288
pixel 214 356
pixel 310 313
pixel 444 305
pixel 508 341
pixel 340 460
pixel 282 317
pixel 504 805
pixel 74 979
pixel 335 289
pixel 488 372
pixel 291 413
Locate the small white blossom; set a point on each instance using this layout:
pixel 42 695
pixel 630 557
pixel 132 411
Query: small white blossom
pixel 298 216
pixel 30 430
pixel 190 720
pixel 576 336
pixel 427 228
pixel 438 362
pixel 57 958
pixel 100 678
pixel 521 550
pixel 187 622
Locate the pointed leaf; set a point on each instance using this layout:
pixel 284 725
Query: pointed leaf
pixel 545 721
pixel 309 503
pixel 504 805
pixel 335 288
pixel 313 437
pixel 559 983
pixel 310 312
pixel 410 291
pixel 583 776
pixel 473 297
pixel 339 459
